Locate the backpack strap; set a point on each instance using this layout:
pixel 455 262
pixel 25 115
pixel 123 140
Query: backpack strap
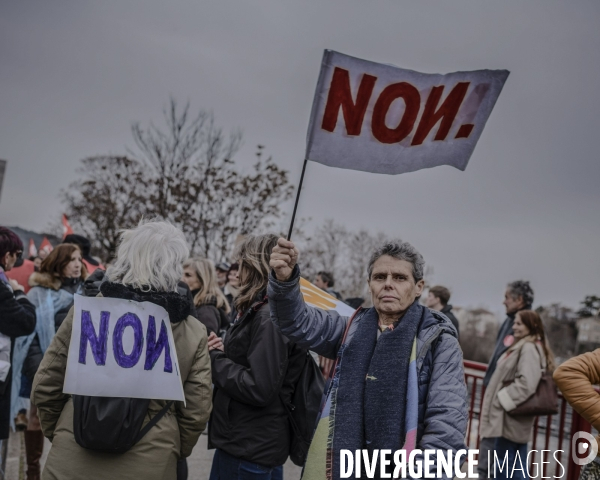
pixel 153 421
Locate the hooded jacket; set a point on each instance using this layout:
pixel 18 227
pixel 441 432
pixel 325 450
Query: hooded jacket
pixel 442 419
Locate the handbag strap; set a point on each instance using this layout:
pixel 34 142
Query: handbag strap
pixel 153 421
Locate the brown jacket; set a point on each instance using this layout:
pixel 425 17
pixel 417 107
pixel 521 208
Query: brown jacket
pixel 575 378
pixel 522 362
pixel 155 456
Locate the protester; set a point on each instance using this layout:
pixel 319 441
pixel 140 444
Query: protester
pixel 61 275
pixel 232 289
pixel 212 308
pixel 381 396
pixel 91 264
pixel 222 269
pixel 17 318
pixel 437 299
pixel 576 379
pixel 325 281
pixel 147 269
pixel 518 296
pixel 524 361
pixel 254 373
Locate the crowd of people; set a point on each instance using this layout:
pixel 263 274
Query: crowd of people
pixel 242 334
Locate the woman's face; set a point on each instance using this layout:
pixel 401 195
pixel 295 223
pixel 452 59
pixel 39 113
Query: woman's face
pixel 73 268
pixel 519 328
pixel 234 278
pixel 192 280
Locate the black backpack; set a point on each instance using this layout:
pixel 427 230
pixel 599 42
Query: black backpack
pixel 112 425
pixel 304 409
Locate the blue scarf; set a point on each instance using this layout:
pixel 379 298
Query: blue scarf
pixel 373 400
pixel 47 303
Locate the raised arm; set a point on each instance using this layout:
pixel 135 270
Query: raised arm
pixel 309 327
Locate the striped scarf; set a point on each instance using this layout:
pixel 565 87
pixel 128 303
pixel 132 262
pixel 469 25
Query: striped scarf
pixel 372 402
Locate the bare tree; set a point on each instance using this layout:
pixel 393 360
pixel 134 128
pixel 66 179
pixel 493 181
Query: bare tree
pixel 109 196
pixel 346 254
pixel 183 173
pixel 360 247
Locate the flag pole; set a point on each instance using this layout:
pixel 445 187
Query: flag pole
pixel 289 237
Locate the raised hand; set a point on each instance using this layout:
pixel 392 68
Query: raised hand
pixel 283 259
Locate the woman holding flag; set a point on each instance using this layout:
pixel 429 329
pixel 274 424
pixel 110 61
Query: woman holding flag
pixel 399 381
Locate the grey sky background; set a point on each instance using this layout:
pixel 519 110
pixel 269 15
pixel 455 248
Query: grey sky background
pixel 74 75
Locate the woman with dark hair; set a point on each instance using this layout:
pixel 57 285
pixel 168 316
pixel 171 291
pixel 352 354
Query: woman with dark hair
pixel 523 364
pixel 254 372
pixel 212 308
pixel 61 275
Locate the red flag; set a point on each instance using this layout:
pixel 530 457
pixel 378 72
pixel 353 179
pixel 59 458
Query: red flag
pixel 46 245
pixel 67 230
pixel 32 249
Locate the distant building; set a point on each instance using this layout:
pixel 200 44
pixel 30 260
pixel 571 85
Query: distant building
pixel 588 334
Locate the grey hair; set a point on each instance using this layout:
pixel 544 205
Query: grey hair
pixel 402 251
pixel 150 256
pixel 521 288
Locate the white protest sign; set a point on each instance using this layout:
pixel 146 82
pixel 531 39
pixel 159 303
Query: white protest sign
pixel 384 119
pixel 122 348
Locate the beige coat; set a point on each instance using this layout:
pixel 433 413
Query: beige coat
pixel 576 379
pixel 155 456
pixel 498 400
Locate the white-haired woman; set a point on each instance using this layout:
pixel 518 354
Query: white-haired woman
pixel 212 308
pixel 147 269
pixel 254 372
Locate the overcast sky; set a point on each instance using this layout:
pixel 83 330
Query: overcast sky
pixel 74 75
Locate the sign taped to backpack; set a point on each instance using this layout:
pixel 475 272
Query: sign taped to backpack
pixel 122 348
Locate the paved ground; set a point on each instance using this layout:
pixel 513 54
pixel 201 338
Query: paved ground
pixel 199 462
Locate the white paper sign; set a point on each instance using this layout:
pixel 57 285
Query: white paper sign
pixel 383 119
pixel 122 348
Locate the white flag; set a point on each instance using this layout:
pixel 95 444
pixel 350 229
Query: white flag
pixel 383 119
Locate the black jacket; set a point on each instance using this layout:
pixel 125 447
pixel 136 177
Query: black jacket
pixel 214 319
pixel 17 318
pixel 258 367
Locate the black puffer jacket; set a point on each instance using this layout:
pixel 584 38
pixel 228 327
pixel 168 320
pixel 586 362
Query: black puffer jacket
pixel 258 367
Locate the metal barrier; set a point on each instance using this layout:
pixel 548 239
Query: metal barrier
pixel 552 432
